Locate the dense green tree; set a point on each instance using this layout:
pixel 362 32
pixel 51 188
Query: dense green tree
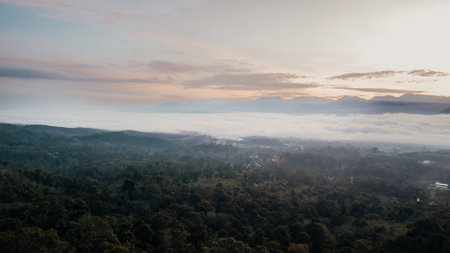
pixel 320 236
pixel 128 186
pixel 229 244
pixel 91 234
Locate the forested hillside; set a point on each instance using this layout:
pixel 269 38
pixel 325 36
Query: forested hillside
pixel 88 190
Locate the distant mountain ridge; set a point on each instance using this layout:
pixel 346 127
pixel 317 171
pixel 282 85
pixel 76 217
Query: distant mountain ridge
pixel 57 137
pixel 407 103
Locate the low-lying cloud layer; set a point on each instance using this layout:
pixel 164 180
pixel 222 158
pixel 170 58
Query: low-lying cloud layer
pixel 378 90
pixel 404 128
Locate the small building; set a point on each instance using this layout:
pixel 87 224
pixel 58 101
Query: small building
pixel 439 185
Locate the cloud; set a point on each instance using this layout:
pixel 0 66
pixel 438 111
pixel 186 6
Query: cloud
pixel 389 73
pixel 427 73
pixel 73 67
pixel 139 16
pixel 29 74
pixel 420 129
pixel 363 130
pixel 46 3
pixel 378 90
pixel 172 67
pixel 24 73
pixel 56 67
pixel 251 81
pixel 367 75
pixel 288 94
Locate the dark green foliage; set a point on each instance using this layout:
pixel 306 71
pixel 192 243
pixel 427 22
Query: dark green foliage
pixel 79 190
pixel 128 186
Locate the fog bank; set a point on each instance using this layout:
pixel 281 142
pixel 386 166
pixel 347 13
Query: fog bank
pixel 404 128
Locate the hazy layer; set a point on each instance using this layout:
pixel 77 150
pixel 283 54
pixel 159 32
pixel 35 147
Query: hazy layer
pixel 408 128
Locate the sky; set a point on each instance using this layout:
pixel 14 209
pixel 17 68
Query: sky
pixel 119 54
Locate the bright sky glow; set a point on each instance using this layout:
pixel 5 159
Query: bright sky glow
pixel 119 54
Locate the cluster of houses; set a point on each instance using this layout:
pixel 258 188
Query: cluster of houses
pixel 439 186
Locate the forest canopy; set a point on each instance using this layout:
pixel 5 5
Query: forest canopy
pixel 88 190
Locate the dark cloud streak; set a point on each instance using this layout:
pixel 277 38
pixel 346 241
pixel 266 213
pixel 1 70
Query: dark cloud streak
pixel 367 75
pixel 29 74
pixel 389 73
pixel 22 73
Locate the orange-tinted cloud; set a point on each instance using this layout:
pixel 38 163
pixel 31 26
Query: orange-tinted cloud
pixel 426 73
pixel 172 67
pixel 251 81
